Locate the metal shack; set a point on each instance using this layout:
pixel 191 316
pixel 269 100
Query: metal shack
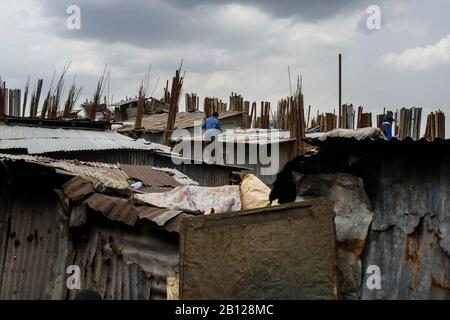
pixel 78 141
pixel 407 184
pixel 155 125
pixel 56 214
pixel 265 151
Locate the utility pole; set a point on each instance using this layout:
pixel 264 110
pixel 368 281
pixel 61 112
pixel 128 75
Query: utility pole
pixel 340 90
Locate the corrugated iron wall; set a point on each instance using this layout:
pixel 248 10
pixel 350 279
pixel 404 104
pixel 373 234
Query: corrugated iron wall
pixel 409 237
pixel 37 246
pixel 126 265
pixel 138 157
pixel 208 175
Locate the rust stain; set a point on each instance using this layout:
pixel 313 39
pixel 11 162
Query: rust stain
pixel 354 246
pixel 412 256
pixel 412 249
pixel 442 282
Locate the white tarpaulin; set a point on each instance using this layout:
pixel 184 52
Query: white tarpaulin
pixel 358 134
pixel 195 198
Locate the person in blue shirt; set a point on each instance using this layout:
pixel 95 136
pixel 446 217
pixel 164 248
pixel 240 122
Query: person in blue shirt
pixel 212 122
pixel 388 118
pixel 212 127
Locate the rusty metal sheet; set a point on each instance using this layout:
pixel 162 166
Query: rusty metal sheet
pixel 122 210
pixel 149 176
pixel 78 188
pixel 410 233
pixel 123 264
pixel 36 247
pixel 280 252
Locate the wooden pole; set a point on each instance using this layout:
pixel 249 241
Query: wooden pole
pixel 340 90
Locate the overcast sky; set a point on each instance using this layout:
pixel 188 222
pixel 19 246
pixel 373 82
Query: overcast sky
pixel 243 46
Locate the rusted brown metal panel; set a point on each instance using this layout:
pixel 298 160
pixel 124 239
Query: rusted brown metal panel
pixel 281 252
pixel 37 249
pixel 37 246
pixel 409 239
pixel 126 265
pixel 149 176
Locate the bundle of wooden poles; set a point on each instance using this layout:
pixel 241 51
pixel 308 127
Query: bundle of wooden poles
pixel 212 105
pixel 192 102
pixel 435 126
pixel 409 123
pixel 325 122
pixel 364 120
pixel 173 100
pixel 14 104
pixel 236 102
pixel 290 116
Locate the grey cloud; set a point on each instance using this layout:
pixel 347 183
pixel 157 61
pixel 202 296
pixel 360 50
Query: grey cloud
pixel 154 23
pixel 305 9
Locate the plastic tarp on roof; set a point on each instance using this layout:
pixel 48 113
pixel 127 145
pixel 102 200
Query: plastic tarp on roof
pixel 194 199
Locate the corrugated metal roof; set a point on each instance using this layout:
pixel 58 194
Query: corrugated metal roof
pixel 82 168
pixel 179 177
pixel 158 122
pixel 393 143
pixel 150 177
pixel 37 140
pixel 116 208
pixel 250 136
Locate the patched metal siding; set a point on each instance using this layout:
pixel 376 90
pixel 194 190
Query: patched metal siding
pixel 36 247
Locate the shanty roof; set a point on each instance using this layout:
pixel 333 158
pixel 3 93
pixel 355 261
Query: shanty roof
pixel 124 102
pixel 157 178
pixel 251 136
pixel 421 147
pixel 102 187
pixel 371 142
pixel 38 140
pixel 157 122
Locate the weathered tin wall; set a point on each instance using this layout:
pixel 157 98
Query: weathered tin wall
pixel 281 252
pixel 137 157
pixel 126 263
pixel 208 175
pixel 408 184
pixel 410 233
pixel 37 246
